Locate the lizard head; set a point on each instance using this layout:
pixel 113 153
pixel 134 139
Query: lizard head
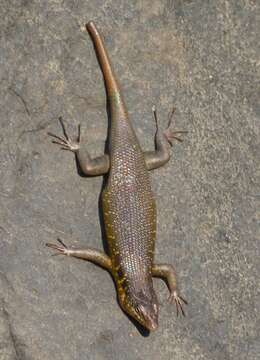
pixel 144 308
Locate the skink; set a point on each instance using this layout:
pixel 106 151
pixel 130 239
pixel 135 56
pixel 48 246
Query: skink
pixel 128 204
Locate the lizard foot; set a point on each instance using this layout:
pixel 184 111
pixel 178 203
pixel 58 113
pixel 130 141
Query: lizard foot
pixel 169 133
pixel 174 296
pixel 62 248
pixel 65 142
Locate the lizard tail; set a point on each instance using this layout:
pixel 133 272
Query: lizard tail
pixel 111 83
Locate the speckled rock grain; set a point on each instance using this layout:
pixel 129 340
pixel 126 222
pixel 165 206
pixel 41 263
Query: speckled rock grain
pixel 201 56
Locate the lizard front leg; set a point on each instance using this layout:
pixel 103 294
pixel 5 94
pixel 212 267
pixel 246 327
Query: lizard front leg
pixel 89 254
pixel 92 167
pixel 168 274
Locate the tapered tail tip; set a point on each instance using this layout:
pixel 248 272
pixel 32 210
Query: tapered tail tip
pixel 90 25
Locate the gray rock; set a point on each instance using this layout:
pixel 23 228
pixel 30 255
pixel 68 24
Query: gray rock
pixel 201 56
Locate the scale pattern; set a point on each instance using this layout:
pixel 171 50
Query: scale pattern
pixel 129 209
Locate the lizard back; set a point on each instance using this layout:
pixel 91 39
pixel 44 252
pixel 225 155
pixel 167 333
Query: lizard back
pixel 129 208
pixel 128 202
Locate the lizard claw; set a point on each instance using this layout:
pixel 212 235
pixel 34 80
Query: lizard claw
pixel 169 133
pixel 65 142
pixel 62 248
pixel 178 301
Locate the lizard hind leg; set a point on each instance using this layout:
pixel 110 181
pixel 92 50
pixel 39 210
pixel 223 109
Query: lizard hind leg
pixel 168 274
pixel 163 142
pixel 89 166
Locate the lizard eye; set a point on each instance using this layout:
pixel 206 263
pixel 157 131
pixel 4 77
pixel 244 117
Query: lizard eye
pixel 148 315
pixel 155 307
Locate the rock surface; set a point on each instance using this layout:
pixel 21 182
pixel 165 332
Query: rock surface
pixel 201 56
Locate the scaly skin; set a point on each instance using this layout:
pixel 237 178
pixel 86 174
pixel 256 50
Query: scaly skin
pixel 128 205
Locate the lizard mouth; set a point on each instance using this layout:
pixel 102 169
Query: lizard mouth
pixel 151 323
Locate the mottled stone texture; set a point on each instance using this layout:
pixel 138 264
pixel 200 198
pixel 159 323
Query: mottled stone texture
pixel 203 57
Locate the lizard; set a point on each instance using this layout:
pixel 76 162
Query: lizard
pixel 128 203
